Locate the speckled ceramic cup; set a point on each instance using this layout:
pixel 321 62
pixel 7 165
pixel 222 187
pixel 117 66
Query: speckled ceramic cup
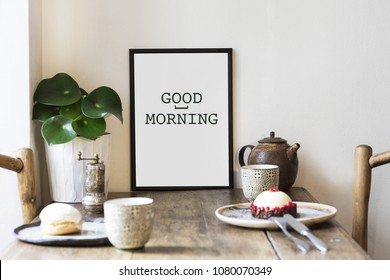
pixel 257 178
pixel 129 221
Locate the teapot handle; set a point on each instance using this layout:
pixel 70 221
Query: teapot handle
pixel 241 154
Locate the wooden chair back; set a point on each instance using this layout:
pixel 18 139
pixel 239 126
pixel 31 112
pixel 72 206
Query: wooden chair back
pixel 364 162
pixel 23 165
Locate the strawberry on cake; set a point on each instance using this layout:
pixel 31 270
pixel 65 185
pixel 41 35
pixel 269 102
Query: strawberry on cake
pixel 273 203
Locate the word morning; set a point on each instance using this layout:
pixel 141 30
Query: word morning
pixel 190 118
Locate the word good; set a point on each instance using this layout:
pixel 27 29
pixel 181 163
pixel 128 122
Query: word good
pixel 177 98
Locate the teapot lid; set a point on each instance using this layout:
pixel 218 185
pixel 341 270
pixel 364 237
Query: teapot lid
pixel 272 139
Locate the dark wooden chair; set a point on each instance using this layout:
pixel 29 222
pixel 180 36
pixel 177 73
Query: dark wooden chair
pixel 23 165
pixel 364 162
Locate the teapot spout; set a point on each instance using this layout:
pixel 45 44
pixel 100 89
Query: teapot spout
pixel 292 151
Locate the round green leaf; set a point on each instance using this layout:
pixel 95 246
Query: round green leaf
pixel 60 90
pixel 89 128
pixel 72 111
pixel 42 112
pixel 58 130
pixel 102 101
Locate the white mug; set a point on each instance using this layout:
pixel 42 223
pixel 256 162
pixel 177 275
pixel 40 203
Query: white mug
pixel 257 178
pixel 129 221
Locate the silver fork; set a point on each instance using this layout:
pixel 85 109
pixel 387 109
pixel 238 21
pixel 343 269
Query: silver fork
pixel 281 222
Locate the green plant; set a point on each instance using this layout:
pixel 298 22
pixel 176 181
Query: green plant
pixel 68 111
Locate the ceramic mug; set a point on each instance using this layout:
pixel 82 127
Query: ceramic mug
pixel 129 221
pixel 257 178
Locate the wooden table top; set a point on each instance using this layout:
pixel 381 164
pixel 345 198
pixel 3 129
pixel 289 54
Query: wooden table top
pixel 186 228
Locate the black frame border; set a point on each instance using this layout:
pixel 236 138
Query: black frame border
pixel 132 52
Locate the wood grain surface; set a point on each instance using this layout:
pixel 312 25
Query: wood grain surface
pixel 186 227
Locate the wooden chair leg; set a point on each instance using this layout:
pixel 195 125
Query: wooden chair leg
pixel 361 194
pixel 26 184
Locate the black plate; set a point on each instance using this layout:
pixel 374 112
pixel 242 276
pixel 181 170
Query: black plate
pixel 92 234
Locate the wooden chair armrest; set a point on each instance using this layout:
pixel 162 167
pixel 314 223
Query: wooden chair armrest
pixel 11 163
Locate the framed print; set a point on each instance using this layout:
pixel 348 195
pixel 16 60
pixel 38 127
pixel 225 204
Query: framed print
pixel 181 119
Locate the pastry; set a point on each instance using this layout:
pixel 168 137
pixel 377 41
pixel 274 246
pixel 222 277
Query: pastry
pixel 60 218
pixel 273 203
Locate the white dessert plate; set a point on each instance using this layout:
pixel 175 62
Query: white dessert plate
pixel 92 234
pixel 240 215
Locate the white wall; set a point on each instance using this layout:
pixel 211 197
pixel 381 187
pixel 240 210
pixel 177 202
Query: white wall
pixel 316 72
pixel 16 19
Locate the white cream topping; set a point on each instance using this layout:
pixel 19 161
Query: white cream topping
pixel 272 199
pixel 60 212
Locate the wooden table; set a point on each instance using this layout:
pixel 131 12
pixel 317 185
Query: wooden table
pixel 186 228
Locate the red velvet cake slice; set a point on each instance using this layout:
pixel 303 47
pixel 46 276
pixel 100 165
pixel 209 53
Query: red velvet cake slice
pixel 273 203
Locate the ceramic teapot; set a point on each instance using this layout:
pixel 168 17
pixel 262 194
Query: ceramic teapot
pixel 274 150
